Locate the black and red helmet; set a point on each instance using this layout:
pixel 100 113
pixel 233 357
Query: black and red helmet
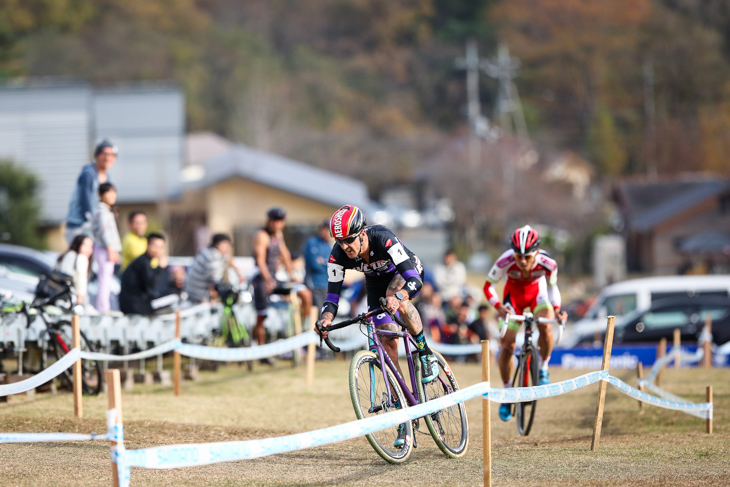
pixel 525 240
pixel 347 222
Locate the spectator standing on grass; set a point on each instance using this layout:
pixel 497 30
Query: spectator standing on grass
pixel 134 242
pixel 141 282
pixel 316 255
pixel 76 262
pixel 269 250
pixel 107 244
pixel 450 276
pixel 85 196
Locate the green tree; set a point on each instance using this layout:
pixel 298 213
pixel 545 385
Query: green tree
pixel 19 206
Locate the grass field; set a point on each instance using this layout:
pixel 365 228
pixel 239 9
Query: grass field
pixel 657 447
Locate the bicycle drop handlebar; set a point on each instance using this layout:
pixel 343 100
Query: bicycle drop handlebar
pixel 357 319
pixel 523 318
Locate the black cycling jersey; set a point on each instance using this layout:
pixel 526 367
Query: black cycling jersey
pixel 387 256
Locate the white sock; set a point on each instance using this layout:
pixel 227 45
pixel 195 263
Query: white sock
pixel 544 363
pixel 508 384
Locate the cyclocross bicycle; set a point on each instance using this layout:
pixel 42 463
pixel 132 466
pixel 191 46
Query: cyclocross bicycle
pixel 375 389
pixel 58 340
pixel 526 373
pixel 234 334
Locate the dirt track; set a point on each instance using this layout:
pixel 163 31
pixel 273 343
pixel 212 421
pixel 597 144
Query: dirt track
pixel 659 447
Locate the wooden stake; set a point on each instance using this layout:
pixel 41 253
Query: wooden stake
pixel 78 380
pixel 297 319
pixel 709 420
pixel 114 392
pixel 707 345
pixel 311 348
pixel 176 357
pixel 640 374
pixel 602 385
pixel 677 344
pixel 660 352
pixel 486 426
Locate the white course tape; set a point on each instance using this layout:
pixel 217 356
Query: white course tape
pixel 152 352
pixel 524 394
pixel 176 456
pixel 114 433
pixel 684 357
pixel 701 410
pixel 49 437
pixel 251 353
pixel 449 349
pixel 42 377
pixel 662 393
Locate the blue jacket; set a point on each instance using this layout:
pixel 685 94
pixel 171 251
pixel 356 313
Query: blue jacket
pixel 316 255
pixel 84 198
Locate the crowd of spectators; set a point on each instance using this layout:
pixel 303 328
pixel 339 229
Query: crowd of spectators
pixel 449 312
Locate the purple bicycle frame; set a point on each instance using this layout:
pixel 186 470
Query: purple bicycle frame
pixel 377 347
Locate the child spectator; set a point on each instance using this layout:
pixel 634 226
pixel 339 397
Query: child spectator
pixel 107 244
pixel 76 262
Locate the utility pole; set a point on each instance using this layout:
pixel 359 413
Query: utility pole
pixel 478 123
pixel 508 110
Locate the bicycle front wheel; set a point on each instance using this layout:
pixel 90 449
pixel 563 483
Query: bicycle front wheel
pixel 526 376
pixel 448 427
pixel 61 341
pixel 369 393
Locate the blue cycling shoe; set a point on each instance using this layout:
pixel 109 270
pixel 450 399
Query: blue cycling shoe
pixel 544 378
pixel 505 412
pixel 429 368
pixel 401 439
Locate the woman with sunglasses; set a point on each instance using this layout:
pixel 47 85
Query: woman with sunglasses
pixel 532 283
pixel 391 271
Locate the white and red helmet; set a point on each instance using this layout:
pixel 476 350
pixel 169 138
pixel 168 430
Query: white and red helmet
pixel 525 240
pixel 348 221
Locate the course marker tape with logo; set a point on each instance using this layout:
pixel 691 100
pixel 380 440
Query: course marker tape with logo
pixel 43 376
pixel 188 455
pixel 701 410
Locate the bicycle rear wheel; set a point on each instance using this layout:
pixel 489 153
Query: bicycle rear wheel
pixel 526 376
pixel 61 341
pixel 448 427
pixel 369 394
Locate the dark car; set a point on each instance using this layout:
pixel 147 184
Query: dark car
pixel 686 313
pixel 21 267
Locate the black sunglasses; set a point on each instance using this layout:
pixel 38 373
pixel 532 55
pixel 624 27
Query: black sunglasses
pixel 346 241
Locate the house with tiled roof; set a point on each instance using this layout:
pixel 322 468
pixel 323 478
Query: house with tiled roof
pixel 667 221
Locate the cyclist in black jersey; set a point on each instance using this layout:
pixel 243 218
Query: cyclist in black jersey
pixel 391 271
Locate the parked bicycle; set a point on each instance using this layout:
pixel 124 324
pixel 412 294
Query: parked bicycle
pixel 376 387
pixel 526 372
pixel 57 339
pixel 233 333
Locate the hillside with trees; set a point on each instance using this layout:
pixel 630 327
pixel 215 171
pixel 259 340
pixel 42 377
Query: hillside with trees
pixel 369 87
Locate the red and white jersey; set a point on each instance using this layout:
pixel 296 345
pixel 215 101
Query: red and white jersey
pixel 544 269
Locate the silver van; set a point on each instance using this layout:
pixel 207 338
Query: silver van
pixel 622 298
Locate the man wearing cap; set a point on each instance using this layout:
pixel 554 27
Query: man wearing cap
pixel 269 250
pixel 85 196
pixel 316 254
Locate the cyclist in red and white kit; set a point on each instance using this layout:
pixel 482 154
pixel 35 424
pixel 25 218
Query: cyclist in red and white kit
pixel 532 283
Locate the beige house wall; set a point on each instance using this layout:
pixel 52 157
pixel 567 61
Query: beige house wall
pixel 239 202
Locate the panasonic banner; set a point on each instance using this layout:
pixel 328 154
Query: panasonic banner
pixel 622 357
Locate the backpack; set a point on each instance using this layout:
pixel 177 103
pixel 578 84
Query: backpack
pixel 53 283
